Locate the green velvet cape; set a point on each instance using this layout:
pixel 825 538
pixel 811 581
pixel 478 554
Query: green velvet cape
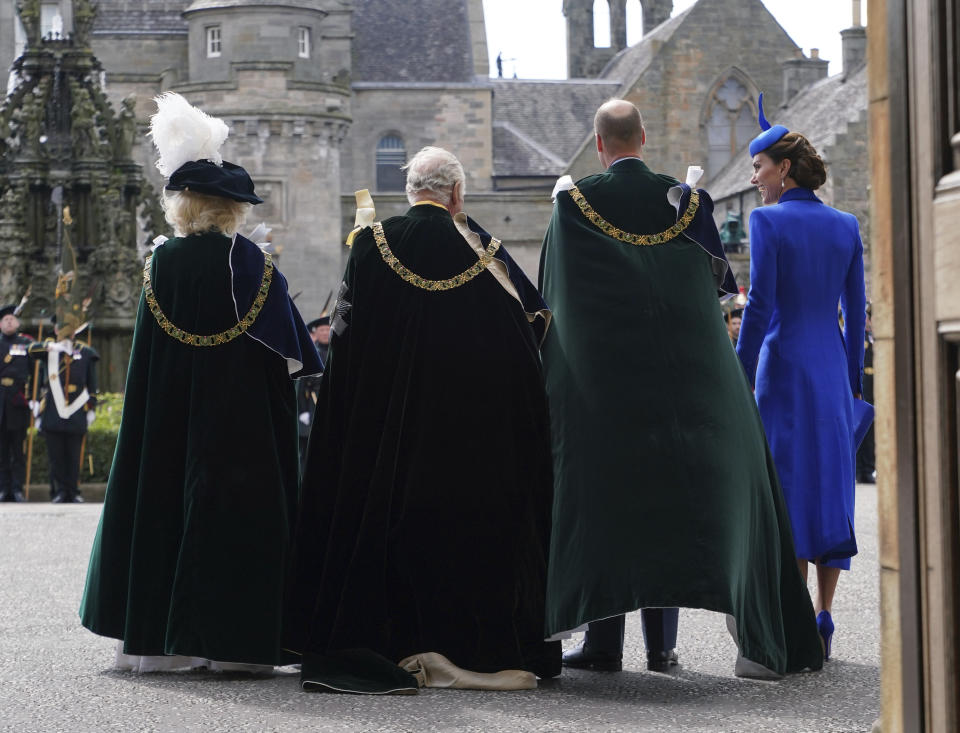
pixel 665 491
pixel 425 516
pixel 189 555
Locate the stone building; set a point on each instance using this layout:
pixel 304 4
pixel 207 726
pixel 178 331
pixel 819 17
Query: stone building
pixel 327 96
pixel 832 114
pixel 914 113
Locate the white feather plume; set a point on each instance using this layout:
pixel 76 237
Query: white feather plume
pixel 182 133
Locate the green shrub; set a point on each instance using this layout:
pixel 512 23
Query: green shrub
pixel 99 447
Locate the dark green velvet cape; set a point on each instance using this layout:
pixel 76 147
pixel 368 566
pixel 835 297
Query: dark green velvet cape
pixel 666 494
pixel 189 555
pixel 425 510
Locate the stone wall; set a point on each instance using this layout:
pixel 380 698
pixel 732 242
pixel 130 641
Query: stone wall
pixel 848 178
pixel 457 117
pixel 8 18
pixel 291 148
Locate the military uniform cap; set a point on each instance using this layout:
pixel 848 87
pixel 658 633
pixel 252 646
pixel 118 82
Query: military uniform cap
pixel 321 321
pixel 7 310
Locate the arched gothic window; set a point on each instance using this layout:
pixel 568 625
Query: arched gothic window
pixel 391 156
pixel 731 123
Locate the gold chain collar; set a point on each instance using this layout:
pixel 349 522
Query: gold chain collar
pixel 638 239
pixel 192 339
pixel 421 282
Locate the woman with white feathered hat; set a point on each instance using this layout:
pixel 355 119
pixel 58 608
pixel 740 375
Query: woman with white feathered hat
pixel 188 562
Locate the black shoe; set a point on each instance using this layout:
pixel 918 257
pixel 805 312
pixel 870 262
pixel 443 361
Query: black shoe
pixel 18 496
pixel 59 498
pixel 76 499
pixel 580 658
pixel 664 662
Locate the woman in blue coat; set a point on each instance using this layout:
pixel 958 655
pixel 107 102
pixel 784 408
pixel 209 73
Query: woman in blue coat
pixel 805 258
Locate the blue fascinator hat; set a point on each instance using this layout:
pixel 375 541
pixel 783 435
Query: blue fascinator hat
pixel 771 133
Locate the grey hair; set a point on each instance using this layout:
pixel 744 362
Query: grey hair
pixel 435 171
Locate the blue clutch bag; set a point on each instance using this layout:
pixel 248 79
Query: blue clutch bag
pixel 862 420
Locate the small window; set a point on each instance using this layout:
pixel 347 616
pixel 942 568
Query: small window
pixel 213 41
pixel 303 43
pixel 391 156
pixel 51 22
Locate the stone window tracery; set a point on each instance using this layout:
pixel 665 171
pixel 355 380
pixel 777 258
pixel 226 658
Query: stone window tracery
pixel 391 155
pixel 730 122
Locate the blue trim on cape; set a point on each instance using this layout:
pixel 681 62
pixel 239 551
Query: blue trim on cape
pixel 530 297
pixel 279 325
pixel 703 231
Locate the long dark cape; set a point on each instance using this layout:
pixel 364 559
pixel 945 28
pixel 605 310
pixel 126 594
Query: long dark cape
pixel 189 555
pixel 666 494
pixel 425 512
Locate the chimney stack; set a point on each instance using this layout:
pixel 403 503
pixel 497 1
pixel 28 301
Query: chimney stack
pixel 854 43
pixel 801 72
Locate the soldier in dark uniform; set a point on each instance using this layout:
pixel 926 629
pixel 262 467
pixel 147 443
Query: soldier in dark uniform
pixel 866 455
pixel 68 369
pixel 14 410
pixel 307 386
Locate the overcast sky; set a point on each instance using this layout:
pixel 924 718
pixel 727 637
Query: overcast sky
pixel 531 34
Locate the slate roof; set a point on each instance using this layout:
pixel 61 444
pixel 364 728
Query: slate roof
pixel 539 125
pixel 140 16
pixel 393 44
pixel 820 112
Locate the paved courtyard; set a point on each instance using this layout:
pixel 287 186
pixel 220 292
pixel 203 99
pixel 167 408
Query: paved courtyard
pixel 56 676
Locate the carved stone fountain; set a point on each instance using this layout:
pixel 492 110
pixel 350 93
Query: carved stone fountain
pixel 63 144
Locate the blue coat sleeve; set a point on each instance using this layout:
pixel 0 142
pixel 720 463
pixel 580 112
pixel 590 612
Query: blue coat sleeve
pixel 853 302
pixel 761 300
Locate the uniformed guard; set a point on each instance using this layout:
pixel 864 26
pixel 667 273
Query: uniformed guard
pixel 68 371
pixel 14 407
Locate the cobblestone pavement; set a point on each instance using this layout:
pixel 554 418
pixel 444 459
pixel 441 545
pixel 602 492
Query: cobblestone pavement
pixel 56 676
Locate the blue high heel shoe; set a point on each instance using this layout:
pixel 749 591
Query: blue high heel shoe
pixel 825 627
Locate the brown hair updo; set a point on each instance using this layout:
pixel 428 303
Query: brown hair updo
pixel 806 166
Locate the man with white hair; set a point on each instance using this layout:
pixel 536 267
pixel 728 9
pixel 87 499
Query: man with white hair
pixel 424 526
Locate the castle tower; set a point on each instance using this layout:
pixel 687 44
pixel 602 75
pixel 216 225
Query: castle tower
pixel 655 12
pixel 584 59
pixel 279 75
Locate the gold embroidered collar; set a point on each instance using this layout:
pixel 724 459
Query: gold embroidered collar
pixel 638 239
pixel 421 282
pixel 192 339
